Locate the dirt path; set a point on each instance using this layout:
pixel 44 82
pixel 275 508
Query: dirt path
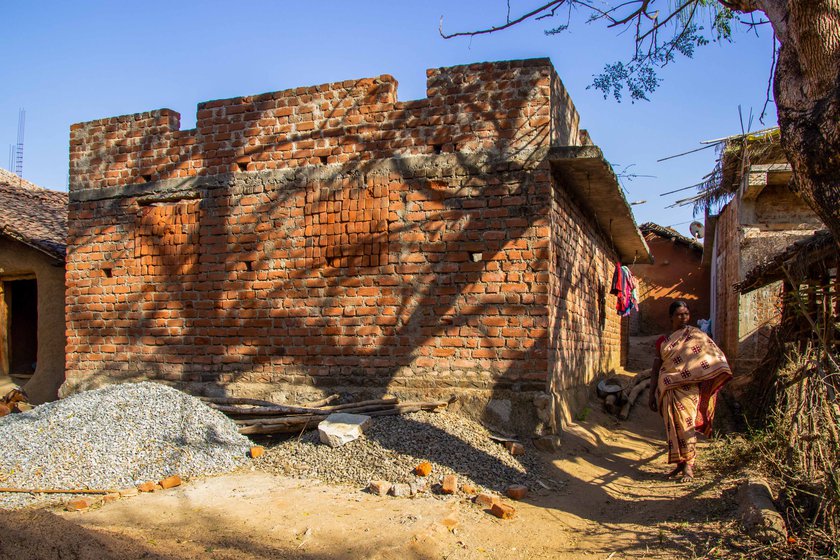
pixel 612 504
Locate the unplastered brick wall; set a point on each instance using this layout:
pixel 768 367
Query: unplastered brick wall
pixel 504 107
pixel 332 237
pixel 585 331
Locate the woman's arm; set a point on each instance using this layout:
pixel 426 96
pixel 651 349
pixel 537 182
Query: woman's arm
pixel 654 382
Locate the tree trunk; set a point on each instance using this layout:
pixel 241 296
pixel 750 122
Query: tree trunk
pixel 807 92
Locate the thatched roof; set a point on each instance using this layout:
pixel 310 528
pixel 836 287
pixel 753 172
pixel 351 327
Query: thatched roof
pixel 32 215
pixel 797 259
pixel 672 234
pixel 736 155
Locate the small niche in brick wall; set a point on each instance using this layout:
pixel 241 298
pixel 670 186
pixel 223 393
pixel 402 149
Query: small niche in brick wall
pixel 347 226
pixel 166 238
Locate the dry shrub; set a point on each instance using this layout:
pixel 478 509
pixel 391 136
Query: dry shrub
pixel 801 449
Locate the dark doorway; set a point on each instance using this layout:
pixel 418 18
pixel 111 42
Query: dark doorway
pixel 21 309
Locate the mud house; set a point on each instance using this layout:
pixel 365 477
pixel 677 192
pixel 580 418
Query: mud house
pixel 677 273
pixel 762 217
pixel 33 228
pixel 334 238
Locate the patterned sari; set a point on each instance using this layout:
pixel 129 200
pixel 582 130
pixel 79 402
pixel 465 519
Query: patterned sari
pixel 693 371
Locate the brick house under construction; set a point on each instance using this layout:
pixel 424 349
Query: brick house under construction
pixel 333 238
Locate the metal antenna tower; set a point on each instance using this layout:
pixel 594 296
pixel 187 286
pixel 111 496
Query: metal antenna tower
pixel 19 151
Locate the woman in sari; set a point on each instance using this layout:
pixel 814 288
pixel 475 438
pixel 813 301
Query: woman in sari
pixel 687 374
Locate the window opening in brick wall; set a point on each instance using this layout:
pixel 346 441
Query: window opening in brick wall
pixel 166 238
pixel 348 226
pixel 242 165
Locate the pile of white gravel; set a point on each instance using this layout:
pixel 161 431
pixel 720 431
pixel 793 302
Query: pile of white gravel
pixel 114 437
pixel 393 445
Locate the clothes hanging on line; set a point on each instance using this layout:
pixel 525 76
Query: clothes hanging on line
pixel 623 285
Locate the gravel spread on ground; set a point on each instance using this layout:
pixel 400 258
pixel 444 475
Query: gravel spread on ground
pixel 114 437
pixel 393 445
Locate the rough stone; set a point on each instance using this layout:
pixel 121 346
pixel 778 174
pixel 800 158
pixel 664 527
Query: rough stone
pixel 515 448
pixel 400 490
pixel 340 428
pixel 449 484
pixel 469 489
pixel 549 444
pixel 379 487
pixel 127 492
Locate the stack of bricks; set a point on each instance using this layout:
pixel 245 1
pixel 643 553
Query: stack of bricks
pixel 333 237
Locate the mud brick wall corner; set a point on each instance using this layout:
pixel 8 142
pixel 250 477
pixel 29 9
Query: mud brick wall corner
pixel 333 237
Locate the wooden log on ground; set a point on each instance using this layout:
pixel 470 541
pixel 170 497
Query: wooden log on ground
pixel 631 399
pixel 291 424
pixel 275 410
pixel 344 407
pixel 322 402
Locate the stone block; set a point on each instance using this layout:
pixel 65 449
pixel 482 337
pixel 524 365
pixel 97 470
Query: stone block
pixel 449 484
pixel 549 444
pixel 502 510
pixel 423 469
pixel 112 497
pixel 379 487
pixel 469 489
pixel 516 491
pixel 418 486
pixel 340 428
pixel 126 492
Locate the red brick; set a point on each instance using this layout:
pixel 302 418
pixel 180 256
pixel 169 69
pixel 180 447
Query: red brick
pixel 516 491
pixel 147 486
pixel 170 482
pixel 502 510
pixel 79 504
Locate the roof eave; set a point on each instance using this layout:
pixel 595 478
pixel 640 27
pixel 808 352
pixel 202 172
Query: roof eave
pixel 587 174
pixel 55 255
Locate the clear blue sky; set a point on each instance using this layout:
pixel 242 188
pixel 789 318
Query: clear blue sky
pixel 67 62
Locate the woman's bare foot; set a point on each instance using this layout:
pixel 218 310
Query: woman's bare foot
pixel 688 474
pixel 677 470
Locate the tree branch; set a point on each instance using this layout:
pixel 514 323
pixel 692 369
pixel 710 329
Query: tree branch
pixel 495 28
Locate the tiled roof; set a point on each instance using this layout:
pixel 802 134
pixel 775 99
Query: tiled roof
pixel 669 233
pixel 33 215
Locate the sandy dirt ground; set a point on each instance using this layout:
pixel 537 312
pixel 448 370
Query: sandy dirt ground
pixel 613 502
